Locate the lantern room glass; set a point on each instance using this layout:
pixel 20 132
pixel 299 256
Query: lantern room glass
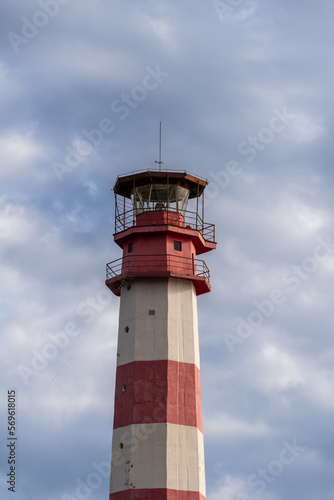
pixel 154 197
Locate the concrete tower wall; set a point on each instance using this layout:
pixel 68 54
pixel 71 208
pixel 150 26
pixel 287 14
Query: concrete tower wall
pixel 158 450
pixel 171 333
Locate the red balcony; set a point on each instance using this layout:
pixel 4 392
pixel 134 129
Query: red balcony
pixel 167 265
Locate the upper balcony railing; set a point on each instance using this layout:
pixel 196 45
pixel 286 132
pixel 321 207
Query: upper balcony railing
pixel 188 220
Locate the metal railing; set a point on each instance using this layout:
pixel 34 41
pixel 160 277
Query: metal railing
pixel 127 219
pixel 141 264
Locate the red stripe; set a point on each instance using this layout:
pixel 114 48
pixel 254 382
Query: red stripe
pixel 158 391
pixel 158 494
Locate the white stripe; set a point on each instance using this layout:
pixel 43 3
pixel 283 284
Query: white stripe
pixel 158 456
pixel 170 333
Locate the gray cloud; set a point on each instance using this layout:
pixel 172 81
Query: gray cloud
pixel 226 77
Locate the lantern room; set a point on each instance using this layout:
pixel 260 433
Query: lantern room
pixel 154 191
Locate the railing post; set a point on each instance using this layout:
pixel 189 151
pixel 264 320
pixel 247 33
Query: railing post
pixel 197 205
pixel 124 213
pixel 203 210
pixel 115 213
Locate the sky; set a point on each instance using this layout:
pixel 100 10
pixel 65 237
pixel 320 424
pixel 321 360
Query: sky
pixel 244 90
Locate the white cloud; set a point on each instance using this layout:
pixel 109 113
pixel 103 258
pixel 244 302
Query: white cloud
pixel 55 238
pixel 305 129
pixel 19 150
pixel 160 29
pixel 10 85
pixel 282 369
pixel 231 489
pixel 229 425
pixel 235 488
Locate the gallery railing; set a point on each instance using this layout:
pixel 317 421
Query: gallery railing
pixel 146 264
pixel 188 220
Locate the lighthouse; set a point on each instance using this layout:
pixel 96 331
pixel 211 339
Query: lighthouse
pixel 157 446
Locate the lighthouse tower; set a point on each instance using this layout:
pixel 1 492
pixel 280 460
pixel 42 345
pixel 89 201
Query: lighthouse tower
pixel 157 448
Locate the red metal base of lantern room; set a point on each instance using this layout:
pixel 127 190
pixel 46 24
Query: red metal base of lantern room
pixel 160 244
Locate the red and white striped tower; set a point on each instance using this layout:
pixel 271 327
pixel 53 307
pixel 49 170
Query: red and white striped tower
pixel 157 450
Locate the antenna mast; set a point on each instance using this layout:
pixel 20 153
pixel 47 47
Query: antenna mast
pixel 159 162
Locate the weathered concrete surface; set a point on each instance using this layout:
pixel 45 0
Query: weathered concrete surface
pixel 157 456
pixel 158 438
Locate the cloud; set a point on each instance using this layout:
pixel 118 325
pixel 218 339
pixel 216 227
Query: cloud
pixel 236 489
pixel 19 149
pixel 227 75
